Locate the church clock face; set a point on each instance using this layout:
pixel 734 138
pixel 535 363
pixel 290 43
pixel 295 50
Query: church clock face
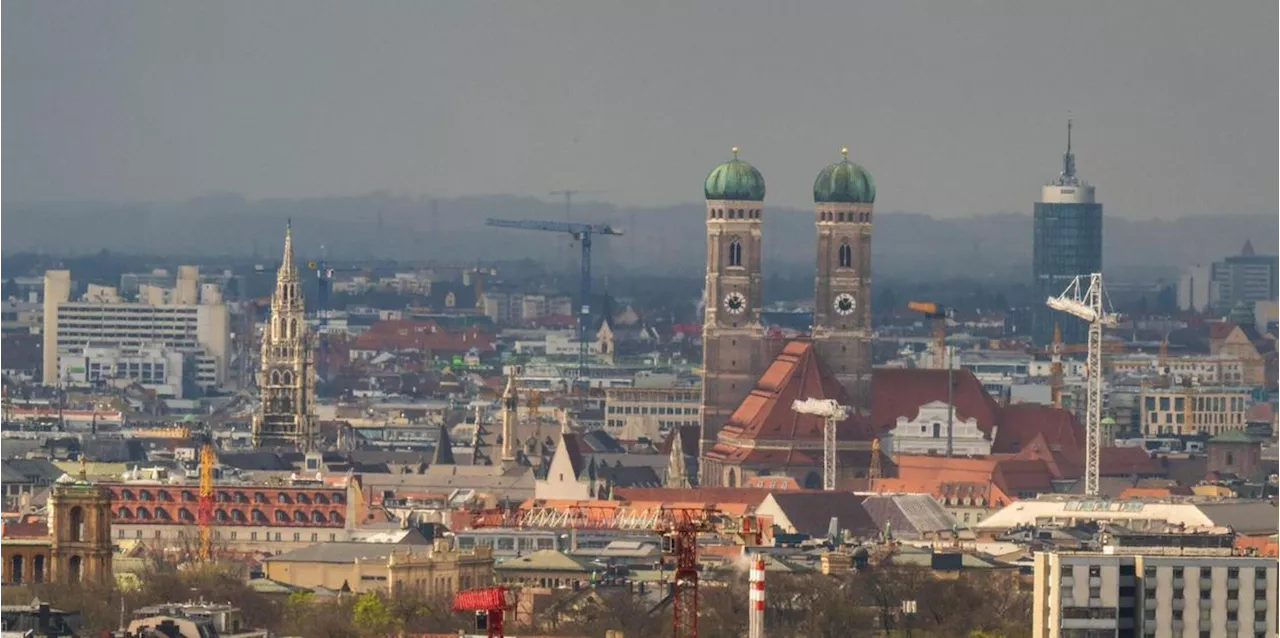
pixel 845 304
pixel 735 303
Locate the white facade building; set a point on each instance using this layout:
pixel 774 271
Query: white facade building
pixel 1195 592
pixel 154 367
pixel 927 434
pixel 201 329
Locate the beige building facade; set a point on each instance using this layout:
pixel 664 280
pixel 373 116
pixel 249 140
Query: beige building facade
pixel 1188 411
pixel 364 567
pixel 1191 593
pixel 632 413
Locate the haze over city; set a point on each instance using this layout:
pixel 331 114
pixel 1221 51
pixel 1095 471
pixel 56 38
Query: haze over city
pixel 692 319
pixel 958 108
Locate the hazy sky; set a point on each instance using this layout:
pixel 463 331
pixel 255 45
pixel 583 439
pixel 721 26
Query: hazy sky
pixel 955 107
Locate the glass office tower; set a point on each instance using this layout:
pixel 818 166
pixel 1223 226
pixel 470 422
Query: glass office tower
pixel 1068 242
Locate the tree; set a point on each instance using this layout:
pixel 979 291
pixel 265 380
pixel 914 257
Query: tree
pixel 372 617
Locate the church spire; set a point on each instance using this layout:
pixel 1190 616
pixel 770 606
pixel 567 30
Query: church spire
pixel 286 264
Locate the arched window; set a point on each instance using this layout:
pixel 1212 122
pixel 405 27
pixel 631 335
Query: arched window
pixel 77 524
pixel 184 514
pixel 164 496
pixel 275 377
pixel 144 514
pixel 222 497
pixel 735 252
pixel 126 495
pixel 15 570
pixel 281 516
pixel 220 515
pixel 846 255
pixel 299 517
pixel 335 517
pixel 163 514
pixel 241 498
pixel 317 516
pixel 259 517
pixel 124 513
pixel 303 499
pixel 321 499
pixel 259 497
pixel 284 498
pixel 187 496
pixel 145 495
pixel 338 498
pixel 733 478
pixel 237 516
pixel 286 378
pixel 37 569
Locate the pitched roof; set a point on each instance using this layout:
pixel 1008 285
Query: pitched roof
pixel 910 516
pixel 544 560
pixel 1021 423
pixel 796 373
pixel 899 392
pixel 811 512
pixel 689 440
pixel 443 454
pixel 569 442
pixel 713 495
pixel 1243 516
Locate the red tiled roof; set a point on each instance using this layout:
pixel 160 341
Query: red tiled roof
pixel 402 334
pixel 1020 424
pixel 899 392
pixel 1220 329
pixel 796 373
pixel 737 495
pixel 28 526
pixel 1125 461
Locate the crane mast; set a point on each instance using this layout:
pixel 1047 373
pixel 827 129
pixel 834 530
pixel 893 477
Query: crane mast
pixel 833 413
pixel 1085 301
pixel 583 234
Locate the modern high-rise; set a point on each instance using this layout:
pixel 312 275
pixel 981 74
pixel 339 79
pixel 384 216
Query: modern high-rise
pixel 1068 242
pixel 286 381
pixel 1245 278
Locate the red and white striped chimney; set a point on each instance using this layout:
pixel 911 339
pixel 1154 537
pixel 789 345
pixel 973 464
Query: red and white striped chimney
pixel 756 613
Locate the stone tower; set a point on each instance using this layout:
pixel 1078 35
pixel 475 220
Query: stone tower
pixel 843 196
pixel 510 418
pixel 732 335
pixel 79 531
pixel 286 383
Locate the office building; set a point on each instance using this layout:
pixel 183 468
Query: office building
pixel 631 413
pixel 1067 243
pixel 1191 411
pixel 1158 591
pixel 1247 278
pixel 102 320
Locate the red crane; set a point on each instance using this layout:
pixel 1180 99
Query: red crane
pixel 678 526
pixel 492 601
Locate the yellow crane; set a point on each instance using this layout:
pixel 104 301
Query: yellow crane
pixel 938 315
pixel 205 505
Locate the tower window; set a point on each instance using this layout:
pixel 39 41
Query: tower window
pixel 846 255
pixel 735 253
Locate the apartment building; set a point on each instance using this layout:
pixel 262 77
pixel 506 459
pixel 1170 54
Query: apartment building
pixel 1201 592
pixel 631 413
pixel 1210 370
pixel 1189 411
pixel 102 320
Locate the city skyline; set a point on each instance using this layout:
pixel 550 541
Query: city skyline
pixel 157 102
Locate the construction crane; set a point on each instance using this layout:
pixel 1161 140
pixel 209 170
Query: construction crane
pixel 834 413
pixel 679 528
pixel 204 508
pixel 1085 301
pixel 490 603
pixel 583 234
pixel 938 315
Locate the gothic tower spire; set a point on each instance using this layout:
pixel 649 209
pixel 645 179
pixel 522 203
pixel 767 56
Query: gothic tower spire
pixel 286 382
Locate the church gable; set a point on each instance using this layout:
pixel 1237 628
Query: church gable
pixel 797 373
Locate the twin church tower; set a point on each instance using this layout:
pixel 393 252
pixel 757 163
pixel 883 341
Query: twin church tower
pixel 736 352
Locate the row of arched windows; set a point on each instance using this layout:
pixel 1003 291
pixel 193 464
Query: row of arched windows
pixel 237 496
pixel 281 377
pixel 234 516
pixel 733 213
pixel 828 216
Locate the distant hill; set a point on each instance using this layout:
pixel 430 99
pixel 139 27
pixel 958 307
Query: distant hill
pixel 658 240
